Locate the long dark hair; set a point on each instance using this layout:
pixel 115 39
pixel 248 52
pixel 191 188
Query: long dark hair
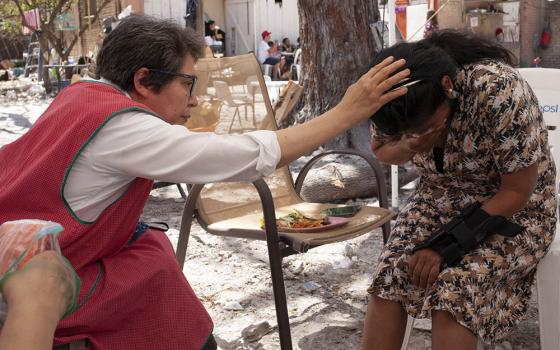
pixel 430 60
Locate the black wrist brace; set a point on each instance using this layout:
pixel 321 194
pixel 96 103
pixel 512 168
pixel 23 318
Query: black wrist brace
pixel 463 233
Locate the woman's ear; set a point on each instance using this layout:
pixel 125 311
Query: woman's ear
pixel 447 85
pixel 141 89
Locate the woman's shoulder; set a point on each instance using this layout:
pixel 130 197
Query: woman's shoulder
pixel 487 72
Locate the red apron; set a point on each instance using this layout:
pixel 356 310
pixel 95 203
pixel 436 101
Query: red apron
pixel 133 296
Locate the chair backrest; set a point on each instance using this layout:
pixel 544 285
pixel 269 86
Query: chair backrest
pixel 253 86
pixel 544 82
pixel 208 52
pixel 220 201
pixel 223 92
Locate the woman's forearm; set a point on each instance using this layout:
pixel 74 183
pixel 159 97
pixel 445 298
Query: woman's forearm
pixel 514 193
pixel 301 139
pixel 28 328
pixel 506 203
pixel 393 153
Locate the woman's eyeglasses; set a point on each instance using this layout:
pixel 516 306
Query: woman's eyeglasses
pixel 191 78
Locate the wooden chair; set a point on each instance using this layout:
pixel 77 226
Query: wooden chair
pixel 235 209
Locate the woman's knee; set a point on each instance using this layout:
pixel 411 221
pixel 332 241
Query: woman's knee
pixel 377 303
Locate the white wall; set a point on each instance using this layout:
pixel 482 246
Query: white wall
pixel 214 9
pixel 281 21
pixel 173 9
pixel 251 17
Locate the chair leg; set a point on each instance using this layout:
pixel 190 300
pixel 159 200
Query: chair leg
pixel 548 297
pixel 274 248
pixel 236 113
pixel 181 191
pixel 186 224
pixel 409 325
pixel 279 295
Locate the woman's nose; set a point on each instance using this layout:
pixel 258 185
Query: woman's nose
pixel 193 101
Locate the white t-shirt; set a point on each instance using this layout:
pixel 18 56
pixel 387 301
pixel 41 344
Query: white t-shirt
pixel 262 51
pixel 137 144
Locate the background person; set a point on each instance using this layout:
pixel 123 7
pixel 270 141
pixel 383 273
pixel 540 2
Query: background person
pixel 431 25
pixel 473 128
pixel 267 54
pixel 216 34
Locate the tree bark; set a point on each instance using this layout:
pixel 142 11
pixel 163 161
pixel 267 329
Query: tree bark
pixel 337 48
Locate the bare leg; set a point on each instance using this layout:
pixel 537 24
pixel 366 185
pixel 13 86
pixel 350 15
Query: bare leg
pixel 276 71
pixel 448 334
pixel 384 326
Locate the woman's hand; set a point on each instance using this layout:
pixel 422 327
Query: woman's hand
pixel 424 267
pixel 424 142
pixel 363 98
pixel 41 284
pixel 37 296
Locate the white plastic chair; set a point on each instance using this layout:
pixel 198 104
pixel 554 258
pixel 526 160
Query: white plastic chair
pixel 224 93
pixel 253 87
pixel 267 70
pixel 544 82
pixel 297 64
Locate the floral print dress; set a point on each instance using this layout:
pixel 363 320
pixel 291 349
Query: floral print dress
pixel 497 129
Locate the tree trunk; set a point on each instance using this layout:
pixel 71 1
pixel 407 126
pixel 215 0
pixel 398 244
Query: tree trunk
pixel 337 48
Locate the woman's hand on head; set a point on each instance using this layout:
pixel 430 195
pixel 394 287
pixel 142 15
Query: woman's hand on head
pixel 373 89
pixel 42 284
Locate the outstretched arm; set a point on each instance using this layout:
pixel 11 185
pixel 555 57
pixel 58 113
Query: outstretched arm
pixel 362 99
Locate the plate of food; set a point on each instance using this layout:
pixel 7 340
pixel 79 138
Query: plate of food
pixel 298 222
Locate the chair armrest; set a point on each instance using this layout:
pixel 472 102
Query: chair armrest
pixel 186 222
pixel 370 159
pixel 375 166
pixel 189 213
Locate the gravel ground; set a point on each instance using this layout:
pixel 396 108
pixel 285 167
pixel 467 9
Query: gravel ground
pixel 229 273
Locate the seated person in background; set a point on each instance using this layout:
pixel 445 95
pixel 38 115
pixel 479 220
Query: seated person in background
pixel 287 50
pixel 287 45
pixel 269 55
pixel 431 25
pixel 214 35
pixel 274 46
pixel 37 296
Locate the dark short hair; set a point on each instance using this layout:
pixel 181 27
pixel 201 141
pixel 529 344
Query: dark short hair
pixel 142 41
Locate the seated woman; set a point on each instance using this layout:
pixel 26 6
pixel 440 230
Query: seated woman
pixel 473 128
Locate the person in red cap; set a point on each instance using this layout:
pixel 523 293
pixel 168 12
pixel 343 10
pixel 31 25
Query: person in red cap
pixel 265 54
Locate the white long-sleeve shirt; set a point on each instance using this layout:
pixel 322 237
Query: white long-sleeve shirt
pixel 136 144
